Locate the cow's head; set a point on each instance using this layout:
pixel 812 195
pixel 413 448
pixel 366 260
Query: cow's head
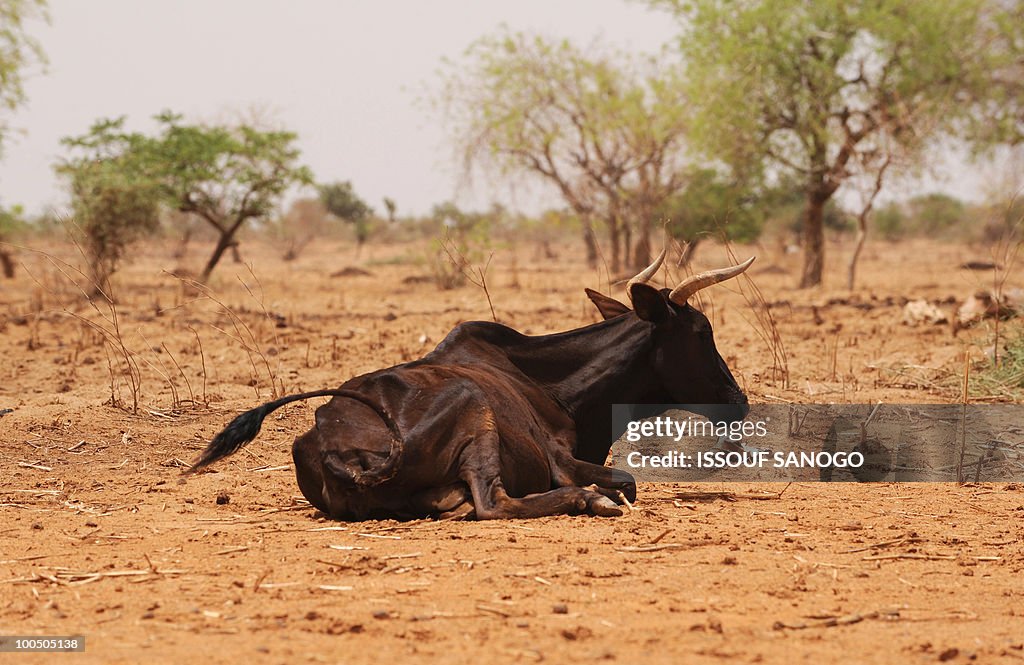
pixel 685 365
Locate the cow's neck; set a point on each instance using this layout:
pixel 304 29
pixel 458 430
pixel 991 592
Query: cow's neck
pixel 596 365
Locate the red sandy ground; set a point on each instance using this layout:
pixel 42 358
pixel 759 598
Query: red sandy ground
pixel 100 537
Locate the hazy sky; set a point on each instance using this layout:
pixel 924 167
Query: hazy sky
pixel 344 74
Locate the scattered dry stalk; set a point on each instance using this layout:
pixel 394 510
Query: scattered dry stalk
pixel 765 325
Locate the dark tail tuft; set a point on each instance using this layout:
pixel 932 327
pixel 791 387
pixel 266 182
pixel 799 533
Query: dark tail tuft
pixel 239 432
pixel 245 427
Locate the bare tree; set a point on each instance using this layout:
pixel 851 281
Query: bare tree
pixel 604 130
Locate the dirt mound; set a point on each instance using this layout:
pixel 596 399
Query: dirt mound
pixel 351 271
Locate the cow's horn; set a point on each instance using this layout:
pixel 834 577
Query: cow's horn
pixel 647 273
pixel 695 283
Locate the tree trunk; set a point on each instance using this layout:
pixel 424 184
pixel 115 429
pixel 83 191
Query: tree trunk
pixel 862 225
pixel 8 263
pixel 590 241
pixel 99 278
pixel 862 234
pixel 182 248
pixel 223 243
pixel 814 239
pixel 627 246
pixel 614 240
pixel 642 249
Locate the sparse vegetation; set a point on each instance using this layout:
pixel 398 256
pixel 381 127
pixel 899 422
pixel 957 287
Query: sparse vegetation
pixel 224 175
pixel 460 241
pixel 1001 377
pixel 305 221
pixel 12 223
pixel 794 107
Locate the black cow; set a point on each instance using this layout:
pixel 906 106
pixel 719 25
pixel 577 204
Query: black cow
pixel 497 424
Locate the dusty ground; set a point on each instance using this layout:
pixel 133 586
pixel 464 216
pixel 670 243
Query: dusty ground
pixel 100 537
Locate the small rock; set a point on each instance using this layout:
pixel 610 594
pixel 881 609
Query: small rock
pixel 560 608
pixel 917 312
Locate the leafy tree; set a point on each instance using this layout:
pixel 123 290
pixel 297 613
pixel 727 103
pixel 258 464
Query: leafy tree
pixel 998 105
pixel 113 200
pixel 341 200
pixel 225 175
pixel 18 51
pixel 605 130
pixel 826 90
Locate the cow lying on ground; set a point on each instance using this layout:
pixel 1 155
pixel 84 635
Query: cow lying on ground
pixel 497 424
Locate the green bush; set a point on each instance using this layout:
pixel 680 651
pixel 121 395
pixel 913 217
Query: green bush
pixel 935 214
pixel 713 205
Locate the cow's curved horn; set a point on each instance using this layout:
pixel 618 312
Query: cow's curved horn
pixel 695 283
pixel 647 273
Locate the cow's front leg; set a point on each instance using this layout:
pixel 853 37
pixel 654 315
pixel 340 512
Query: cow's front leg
pixel 481 470
pixel 566 470
pixel 493 502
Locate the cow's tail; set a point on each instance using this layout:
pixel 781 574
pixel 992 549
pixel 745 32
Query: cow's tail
pixel 246 427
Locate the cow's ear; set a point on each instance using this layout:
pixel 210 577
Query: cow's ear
pixel 650 304
pixel 609 307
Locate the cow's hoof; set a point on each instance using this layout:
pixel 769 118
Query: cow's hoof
pixel 602 506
